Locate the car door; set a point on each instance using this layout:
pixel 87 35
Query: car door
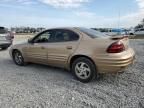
pixel 59 51
pixel 37 50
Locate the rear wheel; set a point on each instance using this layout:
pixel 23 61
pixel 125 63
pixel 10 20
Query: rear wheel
pixel 84 69
pixel 18 58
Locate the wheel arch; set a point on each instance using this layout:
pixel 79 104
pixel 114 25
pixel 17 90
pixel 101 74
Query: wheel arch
pixel 73 58
pixel 14 51
pixel 131 34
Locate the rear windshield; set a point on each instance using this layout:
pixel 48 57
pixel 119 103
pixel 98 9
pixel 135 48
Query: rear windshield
pixel 93 33
pixel 2 30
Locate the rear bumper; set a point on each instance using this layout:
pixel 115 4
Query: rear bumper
pixel 117 63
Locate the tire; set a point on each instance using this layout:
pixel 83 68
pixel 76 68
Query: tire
pixel 131 34
pixel 18 58
pixel 84 69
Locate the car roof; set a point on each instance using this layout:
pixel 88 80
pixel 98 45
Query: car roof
pixel 62 28
pixel 67 28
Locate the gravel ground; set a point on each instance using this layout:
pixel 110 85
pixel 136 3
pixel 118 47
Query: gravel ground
pixel 38 86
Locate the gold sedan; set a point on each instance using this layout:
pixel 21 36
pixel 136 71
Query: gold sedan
pixel 85 52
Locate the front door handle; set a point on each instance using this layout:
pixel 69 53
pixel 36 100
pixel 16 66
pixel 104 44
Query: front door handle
pixel 69 47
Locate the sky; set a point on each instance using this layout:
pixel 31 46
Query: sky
pixel 67 13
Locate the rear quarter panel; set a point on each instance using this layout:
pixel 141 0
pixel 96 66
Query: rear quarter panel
pixel 96 50
pixel 92 47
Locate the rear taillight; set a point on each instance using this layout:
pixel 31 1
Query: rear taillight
pixel 116 47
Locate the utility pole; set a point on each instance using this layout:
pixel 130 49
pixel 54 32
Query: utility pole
pixel 119 18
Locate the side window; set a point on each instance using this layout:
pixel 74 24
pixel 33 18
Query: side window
pixel 45 37
pixel 141 29
pixel 65 35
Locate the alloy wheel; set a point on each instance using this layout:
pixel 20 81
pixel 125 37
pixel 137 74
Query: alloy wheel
pixel 82 70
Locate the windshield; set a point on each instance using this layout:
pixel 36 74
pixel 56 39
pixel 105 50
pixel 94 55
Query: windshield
pixel 93 33
pixel 2 31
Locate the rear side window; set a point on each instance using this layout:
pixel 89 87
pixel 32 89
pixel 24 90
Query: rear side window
pixel 2 30
pixel 65 35
pixel 92 33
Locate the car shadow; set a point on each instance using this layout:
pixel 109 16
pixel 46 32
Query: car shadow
pixel 55 73
pixel 107 78
pixel 46 67
pixel 3 49
pixel 45 70
pixel 39 70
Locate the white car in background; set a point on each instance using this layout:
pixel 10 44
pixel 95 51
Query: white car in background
pixel 115 32
pixel 139 32
pixel 6 38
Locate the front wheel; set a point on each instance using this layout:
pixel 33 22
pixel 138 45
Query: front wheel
pixel 18 58
pixel 84 69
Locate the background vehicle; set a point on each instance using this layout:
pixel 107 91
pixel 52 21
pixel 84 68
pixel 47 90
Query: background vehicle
pixel 139 32
pixel 6 38
pixel 131 32
pixel 85 52
pixel 115 32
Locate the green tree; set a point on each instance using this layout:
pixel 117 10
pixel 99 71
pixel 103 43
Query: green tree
pixel 141 25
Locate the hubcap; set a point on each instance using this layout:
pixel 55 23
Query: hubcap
pixel 18 58
pixel 82 70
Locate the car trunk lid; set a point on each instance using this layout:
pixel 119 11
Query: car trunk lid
pixel 123 39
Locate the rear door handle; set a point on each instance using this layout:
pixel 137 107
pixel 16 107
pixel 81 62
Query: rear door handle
pixel 69 47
